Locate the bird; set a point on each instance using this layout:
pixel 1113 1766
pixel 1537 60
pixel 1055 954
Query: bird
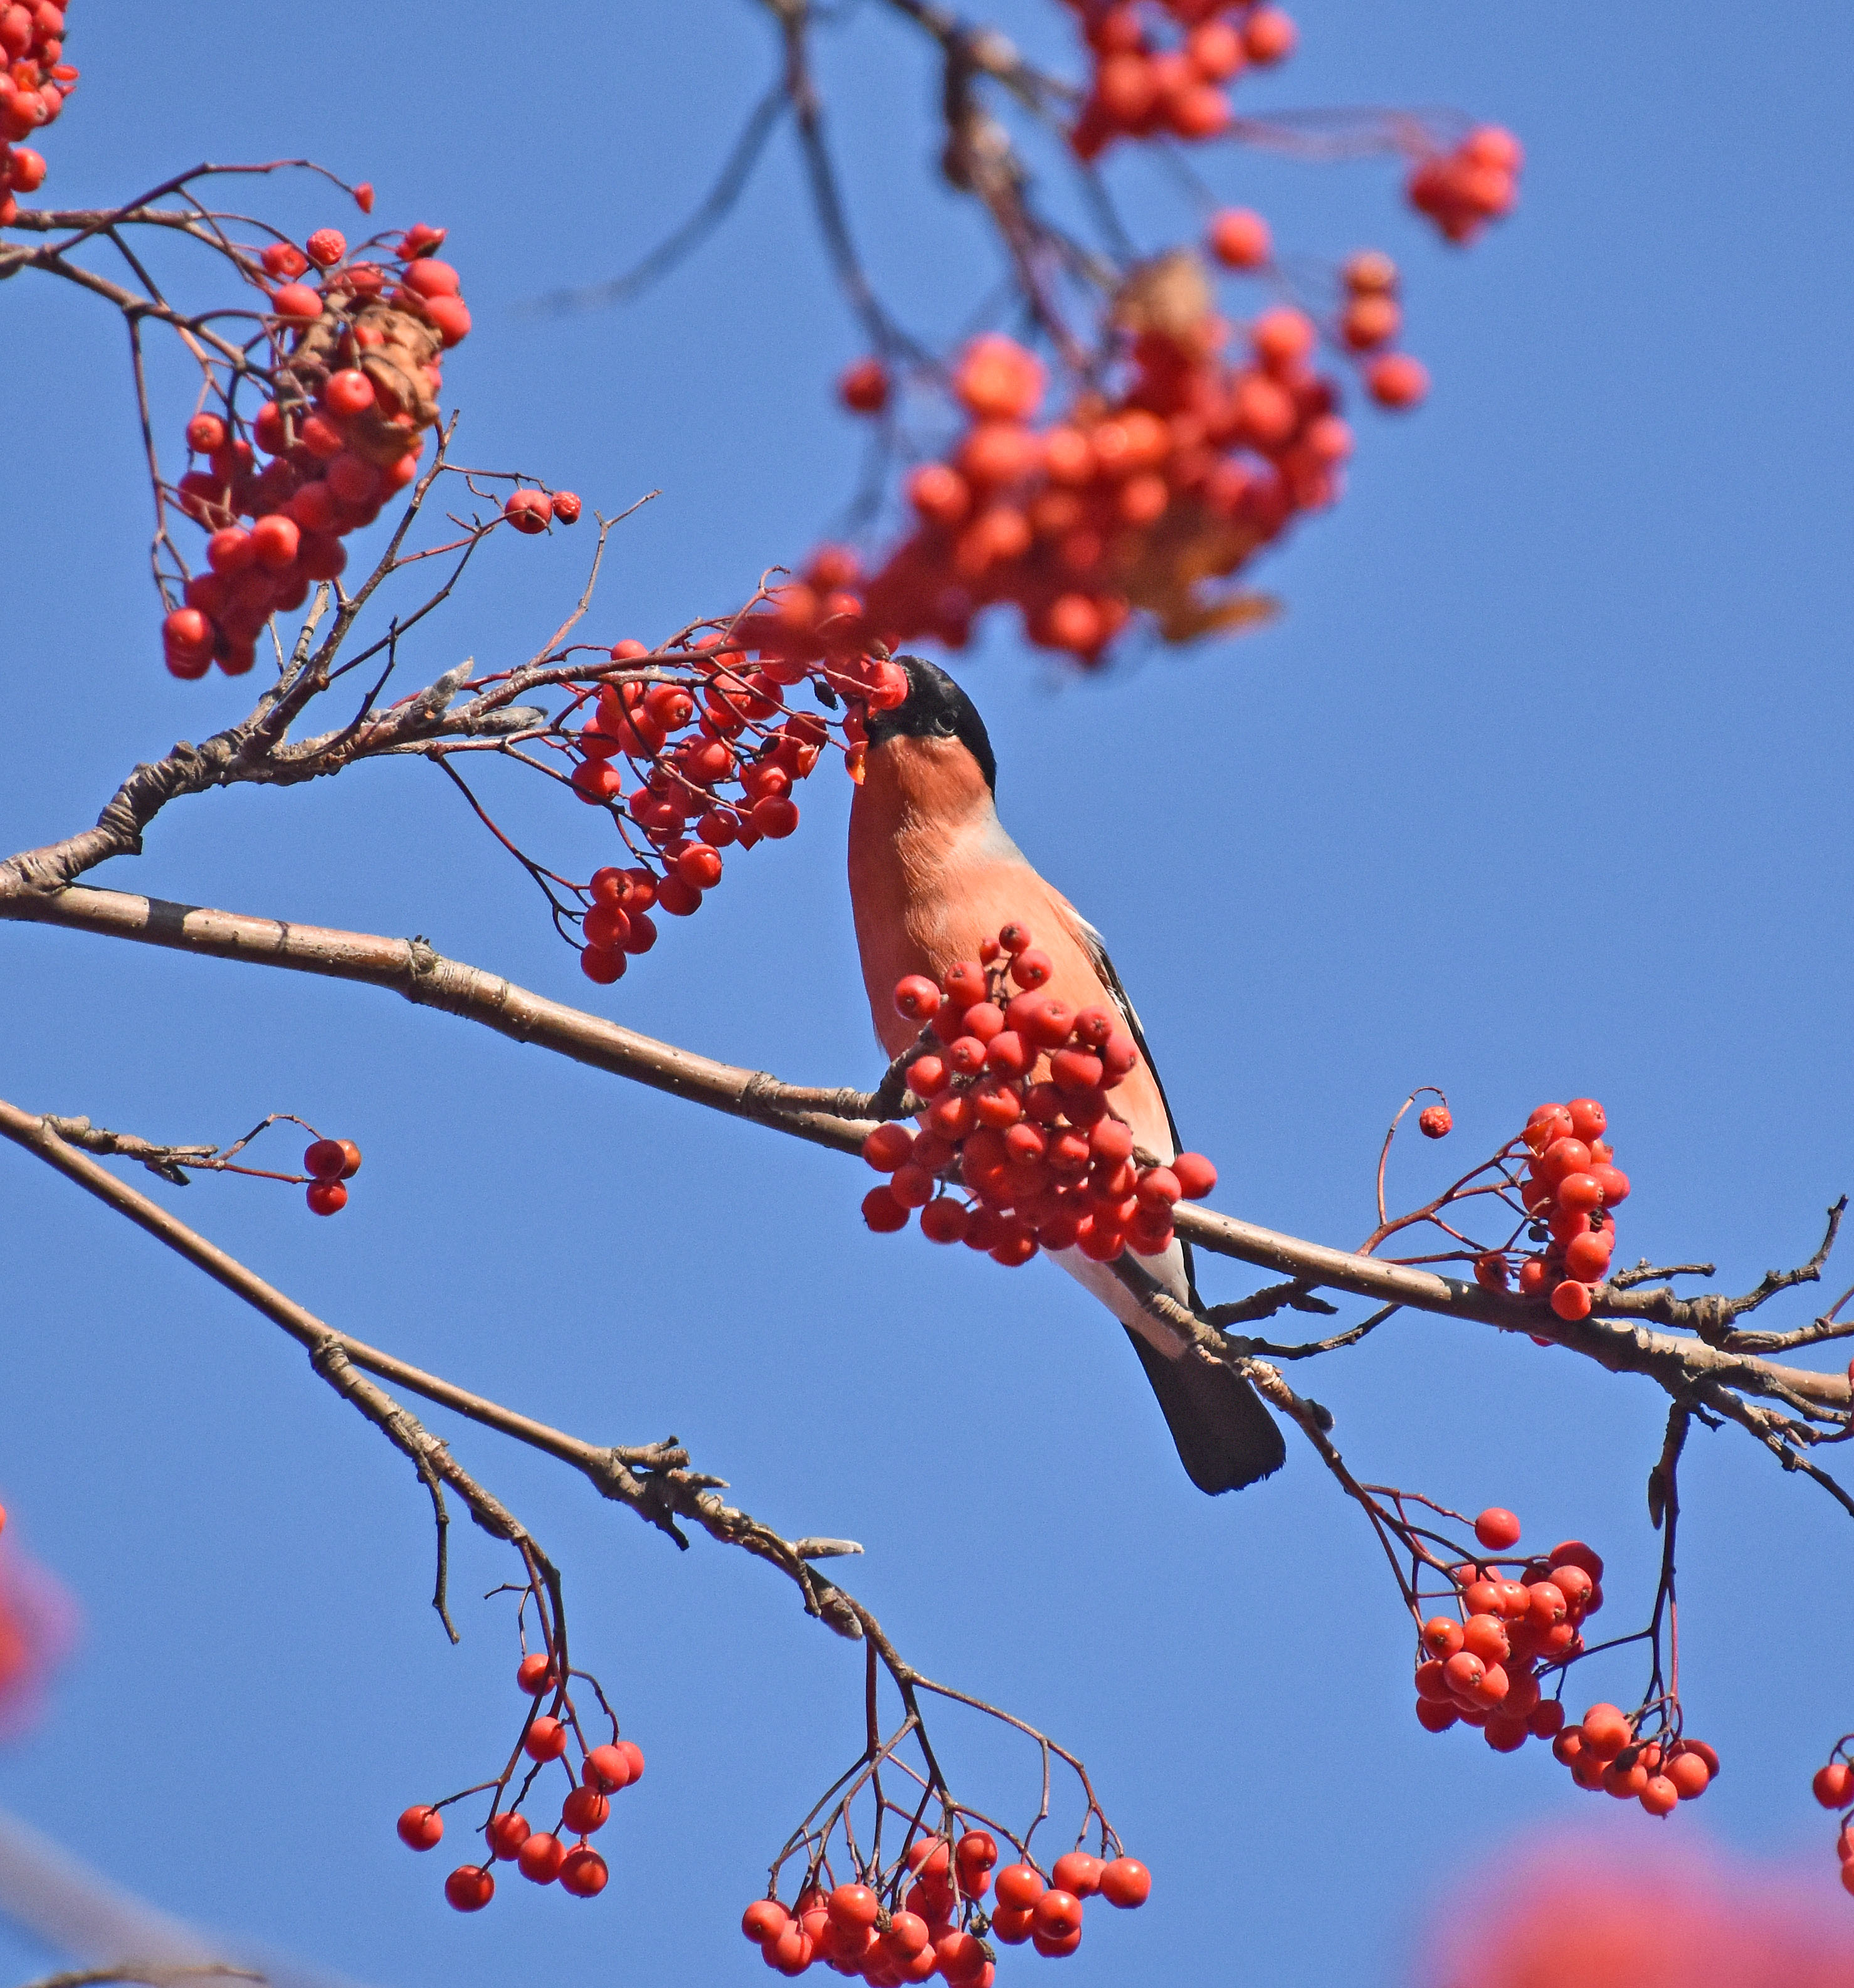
pixel 932 873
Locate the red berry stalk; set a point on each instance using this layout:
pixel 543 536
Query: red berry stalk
pixel 924 1912
pixel 1020 1116
pixel 1517 1625
pixel 561 1855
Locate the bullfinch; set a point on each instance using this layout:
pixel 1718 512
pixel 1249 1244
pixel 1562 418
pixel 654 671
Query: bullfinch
pixel 932 873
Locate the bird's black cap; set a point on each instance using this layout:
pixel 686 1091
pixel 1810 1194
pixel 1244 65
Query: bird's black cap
pixel 936 708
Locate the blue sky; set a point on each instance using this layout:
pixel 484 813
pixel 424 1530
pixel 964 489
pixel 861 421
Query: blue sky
pixel 1539 788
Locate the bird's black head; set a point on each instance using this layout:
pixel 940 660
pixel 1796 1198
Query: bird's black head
pixel 936 708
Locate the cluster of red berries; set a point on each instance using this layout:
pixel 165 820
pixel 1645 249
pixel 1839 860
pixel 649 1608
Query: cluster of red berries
pixel 1833 1787
pixel 1481 1667
pixel 34 84
pixel 1370 316
pixel 856 1932
pixel 1019 1114
pixel 1462 190
pixel 561 1855
pixel 1133 501
pixel 329 1163
pixel 356 384
pixel 1572 1185
pixel 705 754
pixel 1166 69
pixel 1605 1752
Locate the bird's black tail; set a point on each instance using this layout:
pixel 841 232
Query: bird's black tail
pixel 1226 1438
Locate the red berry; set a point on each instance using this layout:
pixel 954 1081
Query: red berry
pixel 283 259
pixel 327 1197
pixel 765 1919
pixel 633 1755
pixel 1269 35
pixel 1491 1271
pixel 1606 1731
pixel 584 1873
pixel 1240 239
pixel 888 1147
pixel 908 1934
pixel 1126 1882
pixel 1077 1872
pixel 1497 1529
pixel 1019 1886
pixel 1057 1914
pixel 1588 1119
pixel 205 435
pixel 567 507
pixel 540 1857
pixel 585 1811
pixel 1442 1636
pixel 421 1827
pixel 298 303
pixel 944 1220
pixel 325 1159
pixel 1395 380
pixel 529 511
pixel 863 386
pixel 1435 1121
pixel 545 1739
pixel 853 1907
pixel 469 1888
pixel 348 392
pixel 450 319
pixel 776 817
pixel 883 1212
pixel 608 1769
pixel 326 245
pixel 1572 1299
pixel 1833 1786
pixel 976 1853
pixel 1195 1174
pixel 1689 1773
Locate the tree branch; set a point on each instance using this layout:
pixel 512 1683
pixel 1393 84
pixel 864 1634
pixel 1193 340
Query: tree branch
pixel 654 1479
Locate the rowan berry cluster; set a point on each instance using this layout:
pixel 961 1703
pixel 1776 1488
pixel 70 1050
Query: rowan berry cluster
pixel 355 376
pixel 1833 1787
pixel 1481 1666
pixel 1019 1114
pixel 1572 1186
pixel 1462 190
pixel 865 1929
pixel 34 84
pixel 1165 69
pixel 1132 500
pixel 560 1854
pixel 718 751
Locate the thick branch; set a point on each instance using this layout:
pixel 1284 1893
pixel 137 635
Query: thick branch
pixel 653 1480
